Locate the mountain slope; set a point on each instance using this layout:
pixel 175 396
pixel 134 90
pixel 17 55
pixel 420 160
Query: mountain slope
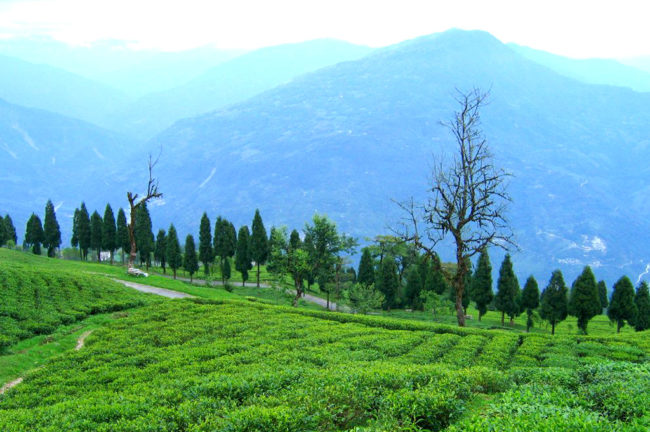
pixel 347 139
pixel 591 71
pixel 232 81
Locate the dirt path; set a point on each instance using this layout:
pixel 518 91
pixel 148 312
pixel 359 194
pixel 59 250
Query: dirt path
pixel 153 290
pixel 10 384
pixel 82 339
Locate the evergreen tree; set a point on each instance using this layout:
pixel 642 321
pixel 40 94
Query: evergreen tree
pixel 96 226
pixel 122 234
pixel 160 250
pixel 642 303
pixel 481 288
pixel 74 241
pixel 174 256
pixel 109 232
pixel 51 230
pixel 243 259
pixel 83 230
pixel 602 294
pixel 554 300
pixel 190 260
pixel 621 305
pixel 413 287
pixel 205 243
pixel 435 280
pixel 388 282
pixel 508 292
pixel 3 232
pixel 366 273
pixel 222 242
pixel 143 235
pixel 584 302
pixel 226 270
pixel 34 234
pixel 530 300
pixel 259 246
pixel 294 240
pixel 232 239
pixel 10 230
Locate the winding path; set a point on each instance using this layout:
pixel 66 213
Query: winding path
pixel 153 290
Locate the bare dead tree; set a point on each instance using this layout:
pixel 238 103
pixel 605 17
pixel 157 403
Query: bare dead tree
pixel 135 203
pixel 468 197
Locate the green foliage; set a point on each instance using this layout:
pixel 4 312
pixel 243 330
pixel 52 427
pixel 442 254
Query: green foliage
pixel 508 296
pixel 243 258
pixel 602 295
pixel 554 300
pixel 83 230
pixel 160 249
pixel 366 273
pixel 436 303
pixel 481 288
pixel 96 227
pixel 51 230
pixel 109 231
pixel 173 252
pixel 34 234
pixel 621 306
pixel 122 235
pixel 387 282
pixel 144 239
pixel 435 279
pixel 413 288
pixel 642 303
pixel 584 301
pixel 9 230
pixel 259 243
pixel 206 253
pixel 365 298
pixel 530 300
pixel 191 261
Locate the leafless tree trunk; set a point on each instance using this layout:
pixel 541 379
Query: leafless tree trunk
pixel 468 198
pixel 134 203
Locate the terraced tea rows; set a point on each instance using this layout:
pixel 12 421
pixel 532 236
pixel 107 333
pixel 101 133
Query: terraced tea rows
pixel 199 366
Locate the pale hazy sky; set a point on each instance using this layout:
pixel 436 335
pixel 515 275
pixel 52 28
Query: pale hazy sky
pixel 575 28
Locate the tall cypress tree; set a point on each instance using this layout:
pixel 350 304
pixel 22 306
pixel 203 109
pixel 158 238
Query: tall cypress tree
pixel 388 281
pixel 642 303
pixel 174 256
pixel 259 247
pixel 51 230
pixel 602 294
pixel 96 226
pixel 10 230
pixel 143 235
pixel 109 232
pixel 232 239
pixel 554 300
pixel 366 274
pixel 243 257
pixel 221 242
pixel 621 306
pixel 413 287
pixel 584 302
pixel 508 291
pixel 435 280
pixel 34 234
pixel 122 234
pixel 74 241
pixel 206 254
pixel 3 232
pixel 83 224
pixel 160 249
pixel 530 300
pixel 481 288
pixel 190 260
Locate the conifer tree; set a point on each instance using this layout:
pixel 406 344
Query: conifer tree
pixel 259 246
pixel 435 280
pixel 96 226
pixel 602 294
pixel 34 234
pixel 481 288
pixel 174 256
pixel 294 240
pixel 222 242
pixel 642 303
pixel 10 230
pixel 109 232
pixel 143 235
pixel 232 239
pixel 160 250
pixel 205 243
pixel 122 234
pixel 413 287
pixel 621 306
pixel 226 271
pixel 243 258
pixel 366 273
pixel 190 260
pixel 530 300
pixel 3 232
pixel 74 241
pixel 584 301
pixel 83 230
pixel 508 295
pixel 388 282
pixel 554 300
pixel 51 230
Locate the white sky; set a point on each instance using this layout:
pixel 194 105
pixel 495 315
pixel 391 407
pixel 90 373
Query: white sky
pixel 575 28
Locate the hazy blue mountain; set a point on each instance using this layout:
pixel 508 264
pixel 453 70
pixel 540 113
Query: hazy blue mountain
pixel 591 71
pixel 133 71
pixel 642 63
pixel 53 89
pixel 347 139
pixel 233 81
pixel 48 156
